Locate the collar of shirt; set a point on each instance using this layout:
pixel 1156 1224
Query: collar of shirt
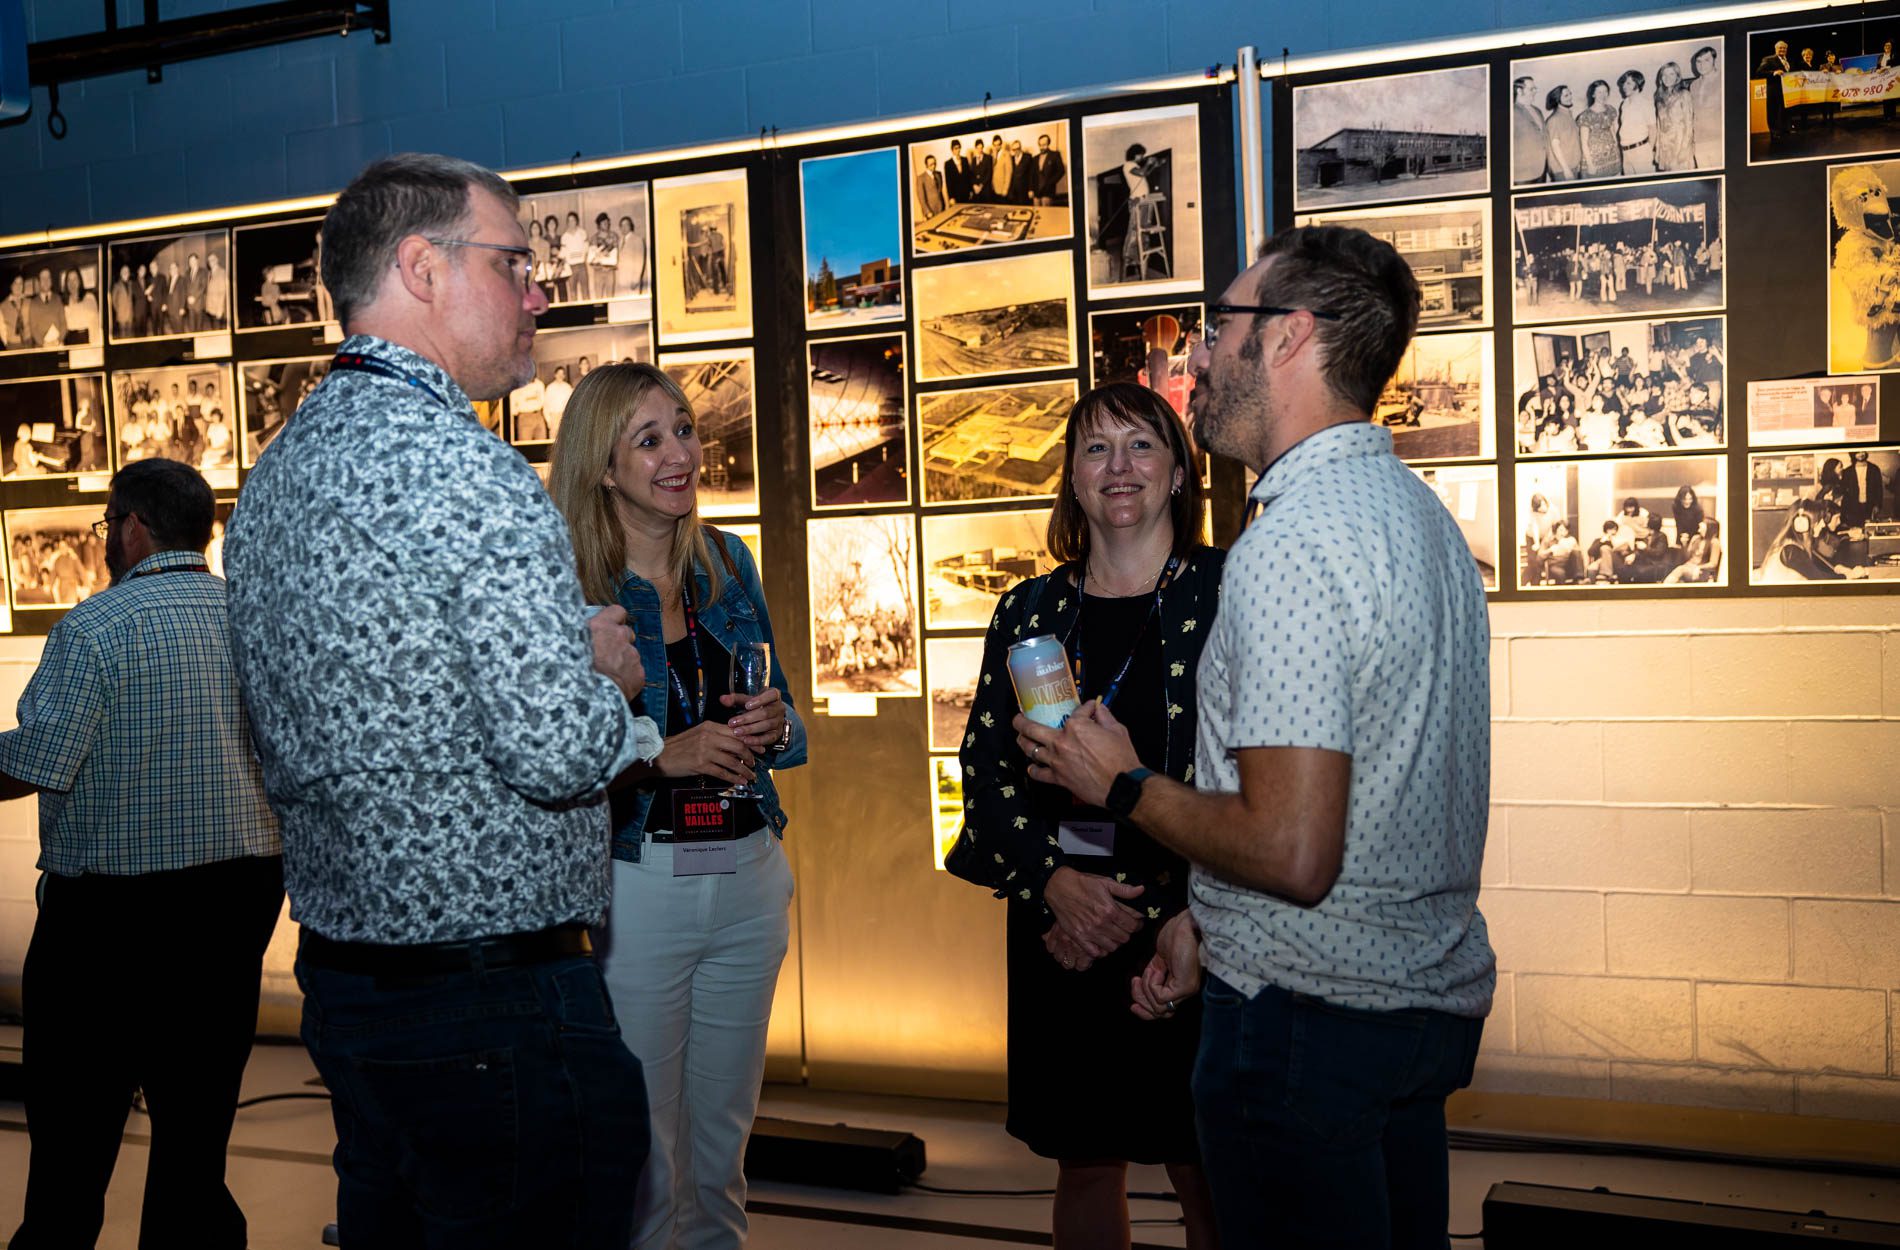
pixel 416 364
pixel 1345 441
pixel 166 560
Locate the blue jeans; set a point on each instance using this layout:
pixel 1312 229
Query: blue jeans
pixel 491 1109
pixel 1324 1125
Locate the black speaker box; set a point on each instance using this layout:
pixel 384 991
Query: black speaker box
pixel 834 1156
pixel 1547 1217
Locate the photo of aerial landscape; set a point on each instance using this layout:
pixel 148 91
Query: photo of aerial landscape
pixel 987 317
pixel 993 442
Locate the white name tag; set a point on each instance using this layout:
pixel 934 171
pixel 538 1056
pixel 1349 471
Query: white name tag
pixel 697 859
pixel 1086 837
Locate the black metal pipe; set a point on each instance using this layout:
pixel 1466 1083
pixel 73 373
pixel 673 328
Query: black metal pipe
pixel 157 43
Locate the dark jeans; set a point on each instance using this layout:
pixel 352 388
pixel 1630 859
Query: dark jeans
pixel 496 1108
pixel 142 982
pixel 1324 1125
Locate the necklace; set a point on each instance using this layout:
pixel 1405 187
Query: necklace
pixel 1139 587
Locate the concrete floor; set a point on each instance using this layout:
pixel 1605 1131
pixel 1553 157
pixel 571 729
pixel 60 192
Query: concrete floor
pixel 280 1172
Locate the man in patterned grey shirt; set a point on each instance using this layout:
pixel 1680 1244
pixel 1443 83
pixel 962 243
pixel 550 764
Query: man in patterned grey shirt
pixel 438 722
pixel 1342 774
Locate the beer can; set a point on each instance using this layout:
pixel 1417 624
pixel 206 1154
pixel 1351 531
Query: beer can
pixel 1045 688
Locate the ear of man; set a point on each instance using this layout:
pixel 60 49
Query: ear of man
pixel 417 262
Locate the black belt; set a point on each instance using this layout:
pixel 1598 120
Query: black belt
pixel 513 950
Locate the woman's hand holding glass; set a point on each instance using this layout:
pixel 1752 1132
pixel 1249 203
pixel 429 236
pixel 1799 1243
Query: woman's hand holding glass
pixel 762 722
pixel 708 749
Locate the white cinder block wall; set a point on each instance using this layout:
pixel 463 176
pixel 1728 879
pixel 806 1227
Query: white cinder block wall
pixel 1693 875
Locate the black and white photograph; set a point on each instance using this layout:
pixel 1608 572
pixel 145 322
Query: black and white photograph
pixel 859 422
pixel 1603 252
pixel 1863 268
pixel 719 386
pixel 1606 524
pixel 54 557
pixel 1147 346
pixel 951 666
pixel 1395 137
pixel 1144 201
pixel 178 412
pixel 1808 412
pixel 590 246
pixel 175 285
pixel 278 273
pixel 561 359
pixel 1625 112
pixel 990 188
pixel 1448 247
pixel 971 558
pixel 946 805
pixel 1437 405
pixel 864 626
pixel 1823 92
pixel 854 239
pixel 1610 386
pixel 702 257
pixel 273 391
pixel 1824 518
pixel 993 442
pixel 1470 493
pixel 52 300
pixel 54 427
pixel 1014 314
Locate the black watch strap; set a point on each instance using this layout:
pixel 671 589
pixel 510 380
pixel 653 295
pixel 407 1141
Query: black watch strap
pixel 1125 791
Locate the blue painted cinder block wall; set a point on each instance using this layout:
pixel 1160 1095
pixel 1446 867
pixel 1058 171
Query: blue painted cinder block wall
pixel 514 83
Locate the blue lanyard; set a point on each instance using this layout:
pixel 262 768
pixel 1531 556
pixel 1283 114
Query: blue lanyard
pixel 695 710
pixel 1154 610
pixel 357 363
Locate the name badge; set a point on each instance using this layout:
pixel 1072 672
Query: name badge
pixel 1086 837
pixel 703 827
pixel 698 859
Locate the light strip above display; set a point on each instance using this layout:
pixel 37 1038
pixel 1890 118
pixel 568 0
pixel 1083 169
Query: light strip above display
pixel 633 160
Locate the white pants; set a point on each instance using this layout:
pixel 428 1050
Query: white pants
pixel 691 965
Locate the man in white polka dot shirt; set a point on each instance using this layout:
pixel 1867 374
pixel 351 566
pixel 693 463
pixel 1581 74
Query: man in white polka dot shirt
pixel 1342 777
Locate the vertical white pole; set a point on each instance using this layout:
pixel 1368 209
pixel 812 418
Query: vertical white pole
pixel 1253 177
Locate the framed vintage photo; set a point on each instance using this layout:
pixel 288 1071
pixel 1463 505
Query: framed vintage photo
pixel 1809 412
pixel 971 558
pixel 179 412
pixel 1147 346
pixel 1014 314
pixel 1621 386
pixel 1437 405
pixel 703 257
pixel 865 632
pixel 719 386
pixel 561 359
pixel 55 427
pixel 1631 111
pixel 54 558
pixel 1824 518
pixel 1617 524
pixel 52 300
pixel 1393 137
pixel 184 284
pixel 946 806
pixel 1823 92
pixel 1470 493
pixel 993 442
pixel 278 272
pixel 590 246
pixel 1594 253
pixel 990 188
pixel 854 239
pixel 1144 201
pixel 858 419
pixel 1448 247
pixel 273 390
pixel 1863 268
pixel 951 668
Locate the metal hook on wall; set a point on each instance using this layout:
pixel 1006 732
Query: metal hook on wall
pixel 55 120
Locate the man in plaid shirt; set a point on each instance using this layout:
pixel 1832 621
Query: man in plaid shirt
pixel 164 879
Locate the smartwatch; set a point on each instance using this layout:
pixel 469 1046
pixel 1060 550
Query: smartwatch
pixel 1125 791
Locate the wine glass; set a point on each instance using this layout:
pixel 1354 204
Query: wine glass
pixel 751 674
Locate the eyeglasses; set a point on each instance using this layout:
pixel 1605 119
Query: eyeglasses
pixel 520 259
pixel 1210 332
pixel 102 526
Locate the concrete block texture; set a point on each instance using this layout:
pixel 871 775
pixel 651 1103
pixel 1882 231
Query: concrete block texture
pixel 1586 677
pixel 1708 938
pixel 1496 869
pixel 1890 648
pixel 1500 1027
pixel 1847 943
pixel 1605 1017
pixel 1792 1028
pixel 1695 761
pixel 1606 848
pixel 1783 674
pixel 1848 1098
pixel 1687 1086
pixel 1551 1078
pixel 1788 852
pixel 1500 677
pixel 1546 760
pixel 1544 930
pixel 1846 764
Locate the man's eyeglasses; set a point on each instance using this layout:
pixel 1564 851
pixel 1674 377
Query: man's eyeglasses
pixel 1210 333
pixel 520 259
pixel 100 527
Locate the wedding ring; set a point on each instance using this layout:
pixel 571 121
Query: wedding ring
pixel 1035 752
pixel 1170 1006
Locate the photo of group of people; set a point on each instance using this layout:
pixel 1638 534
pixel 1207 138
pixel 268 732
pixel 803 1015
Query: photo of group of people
pixel 170 285
pixel 177 412
pixel 1824 517
pixel 1621 386
pixel 1613 251
pixel 968 191
pixel 54 427
pixel 863 594
pixel 561 359
pixel 1622 523
pixel 55 559
pixel 1623 112
pixel 51 300
pixel 1823 91
pixel 590 245
pixel 279 270
pixel 1144 201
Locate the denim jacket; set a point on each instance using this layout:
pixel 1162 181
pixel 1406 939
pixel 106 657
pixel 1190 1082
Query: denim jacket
pixel 737 615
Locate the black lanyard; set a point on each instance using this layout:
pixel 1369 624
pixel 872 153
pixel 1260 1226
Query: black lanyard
pixel 1154 609
pixel 356 363
pixel 176 568
pixel 695 710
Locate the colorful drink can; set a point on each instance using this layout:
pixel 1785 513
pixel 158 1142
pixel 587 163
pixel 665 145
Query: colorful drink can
pixel 1045 688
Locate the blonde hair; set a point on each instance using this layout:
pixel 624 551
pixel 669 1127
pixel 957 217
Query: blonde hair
pixel 596 416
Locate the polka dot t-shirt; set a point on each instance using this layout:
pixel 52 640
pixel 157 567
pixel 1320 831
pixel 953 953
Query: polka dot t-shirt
pixel 1352 619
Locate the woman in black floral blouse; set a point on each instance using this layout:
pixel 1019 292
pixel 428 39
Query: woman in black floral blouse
pixel 1091 1086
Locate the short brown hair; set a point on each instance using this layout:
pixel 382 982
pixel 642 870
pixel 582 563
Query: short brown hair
pixel 1365 284
pixel 1124 403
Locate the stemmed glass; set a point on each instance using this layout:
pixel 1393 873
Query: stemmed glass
pixel 751 674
